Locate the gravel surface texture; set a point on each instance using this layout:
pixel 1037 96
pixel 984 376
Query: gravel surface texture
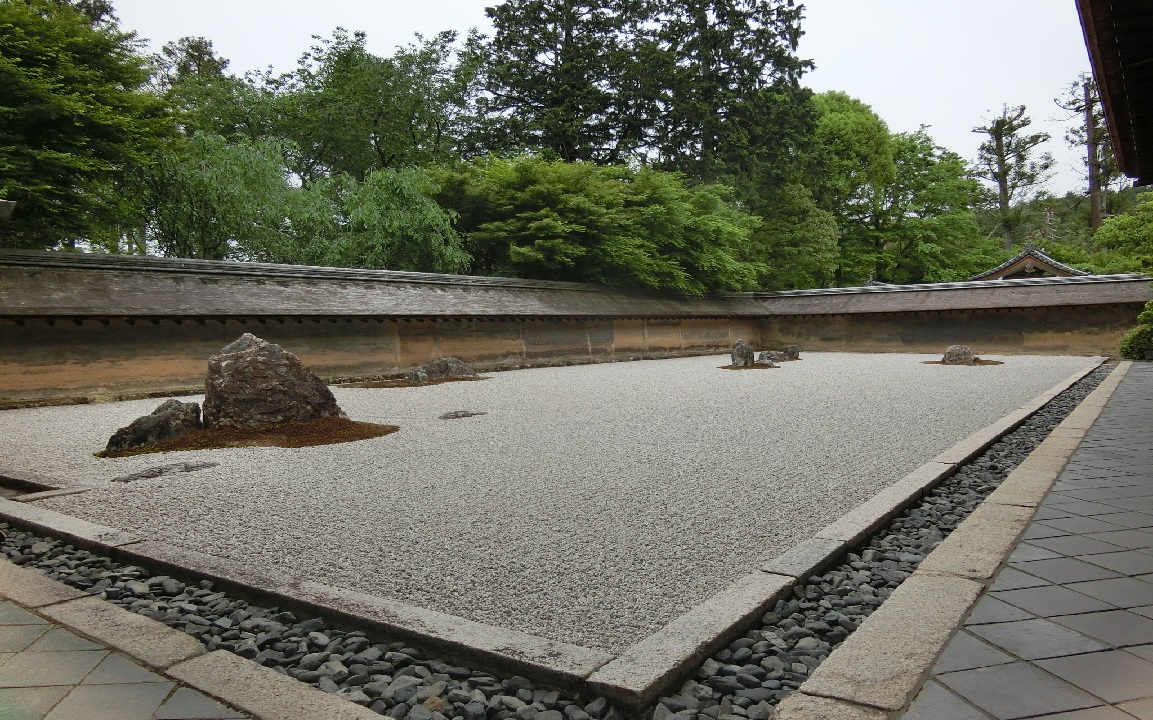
pixel 590 504
pixel 742 682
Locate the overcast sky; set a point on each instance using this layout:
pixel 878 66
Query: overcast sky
pixel 948 64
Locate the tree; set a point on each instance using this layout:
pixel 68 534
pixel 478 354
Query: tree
pixel 924 217
pixel 1009 160
pixel 796 245
pixel 728 98
pixel 852 160
pixel 73 119
pixel 710 89
pixel 389 221
pixel 1131 233
pixel 1092 136
pixel 184 59
pixel 555 71
pixel 207 198
pixel 640 228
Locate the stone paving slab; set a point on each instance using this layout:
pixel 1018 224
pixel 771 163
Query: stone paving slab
pixel 85 659
pixel 59 662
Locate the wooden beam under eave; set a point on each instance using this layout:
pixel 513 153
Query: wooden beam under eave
pixel 1098 26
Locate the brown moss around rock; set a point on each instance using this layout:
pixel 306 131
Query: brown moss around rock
pixel 976 361
pixel 754 366
pixel 403 383
pixel 321 431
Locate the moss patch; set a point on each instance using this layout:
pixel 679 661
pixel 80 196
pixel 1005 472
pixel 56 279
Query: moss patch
pixel 402 383
pixel 322 431
pixel 976 361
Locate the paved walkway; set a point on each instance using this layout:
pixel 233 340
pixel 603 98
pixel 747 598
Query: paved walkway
pixel 49 672
pixel 1066 629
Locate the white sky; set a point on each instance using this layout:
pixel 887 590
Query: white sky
pixel 944 63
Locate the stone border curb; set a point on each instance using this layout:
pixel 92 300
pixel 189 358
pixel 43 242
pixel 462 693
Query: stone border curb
pixel 26 480
pixel 631 679
pixel 91 536
pixel 880 668
pixel 643 671
pixel 263 693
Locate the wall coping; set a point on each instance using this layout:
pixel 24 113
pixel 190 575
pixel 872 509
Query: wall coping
pixel 132 286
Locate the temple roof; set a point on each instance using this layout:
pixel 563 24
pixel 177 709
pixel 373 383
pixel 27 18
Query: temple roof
pixel 1030 262
pixel 1119 36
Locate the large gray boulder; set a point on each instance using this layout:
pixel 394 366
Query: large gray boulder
pixel 770 357
pixel 792 352
pixel 172 420
pixel 958 355
pixel 441 369
pixel 742 354
pixel 252 382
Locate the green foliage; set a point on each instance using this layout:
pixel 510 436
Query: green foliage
pixel 729 107
pixel 387 222
pixel 207 198
pixel 553 70
pixel 796 245
pixel 73 120
pixel 1009 160
pixel 349 111
pixel 1139 340
pixel 709 89
pixel 210 198
pixel 1145 317
pixel 903 205
pixel 530 217
pixel 1131 234
pixel 1136 342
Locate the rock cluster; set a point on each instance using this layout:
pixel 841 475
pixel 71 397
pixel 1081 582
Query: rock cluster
pixel 742 354
pixel 958 355
pixel 172 420
pixel 743 681
pixel 441 369
pixel 252 382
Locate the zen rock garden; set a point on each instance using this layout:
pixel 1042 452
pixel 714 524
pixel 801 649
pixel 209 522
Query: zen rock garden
pixel 255 386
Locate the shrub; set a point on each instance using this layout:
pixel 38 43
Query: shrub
pixel 1137 342
pixel 1146 316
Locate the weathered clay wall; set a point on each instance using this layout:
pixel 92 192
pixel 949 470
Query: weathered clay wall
pixel 76 328
pixel 1061 330
pixel 88 360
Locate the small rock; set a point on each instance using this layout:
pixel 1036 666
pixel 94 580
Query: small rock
pixel 171 420
pixel 958 355
pixel 448 367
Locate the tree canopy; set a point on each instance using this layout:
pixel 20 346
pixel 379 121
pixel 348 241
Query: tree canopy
pixel 73 120
pixel 664 145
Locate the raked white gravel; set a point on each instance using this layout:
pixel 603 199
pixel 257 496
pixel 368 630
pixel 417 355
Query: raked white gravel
pixel 591 504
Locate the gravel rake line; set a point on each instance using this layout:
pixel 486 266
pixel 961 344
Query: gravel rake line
pixel 744 681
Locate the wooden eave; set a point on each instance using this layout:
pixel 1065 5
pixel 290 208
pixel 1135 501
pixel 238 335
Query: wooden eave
pixel 1119 37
